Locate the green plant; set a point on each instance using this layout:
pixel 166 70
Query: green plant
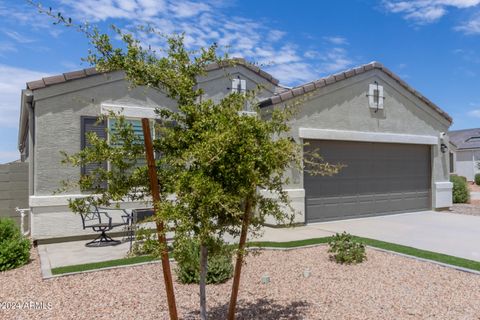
pixel 345 249
pixel 14 248
pixel 146 243
pixel 477 179
pixel 460 193
pixel 187 256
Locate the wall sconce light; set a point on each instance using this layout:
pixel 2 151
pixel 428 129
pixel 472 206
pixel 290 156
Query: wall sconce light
pixel 443 147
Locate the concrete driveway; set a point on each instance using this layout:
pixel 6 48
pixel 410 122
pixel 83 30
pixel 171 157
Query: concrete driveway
pixel 452 234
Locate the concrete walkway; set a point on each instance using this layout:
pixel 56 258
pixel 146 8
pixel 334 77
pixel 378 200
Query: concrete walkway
pixel 452 234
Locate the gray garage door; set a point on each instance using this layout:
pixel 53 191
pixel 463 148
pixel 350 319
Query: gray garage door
pixel 380 178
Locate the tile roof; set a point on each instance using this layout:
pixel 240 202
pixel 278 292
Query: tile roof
pixel 463 138
pixel 311 86
pixel 64 77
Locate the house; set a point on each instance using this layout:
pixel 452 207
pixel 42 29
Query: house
pixel 388 135
pixel 466 155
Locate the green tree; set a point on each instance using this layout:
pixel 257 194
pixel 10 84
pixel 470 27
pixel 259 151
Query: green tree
pixel 222 165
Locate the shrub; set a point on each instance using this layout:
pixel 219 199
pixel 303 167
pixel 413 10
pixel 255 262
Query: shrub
pixel 477 179
pixel 346 250
pixel 460 193
pixel 187 256
pixel 14 247
pixel 146 243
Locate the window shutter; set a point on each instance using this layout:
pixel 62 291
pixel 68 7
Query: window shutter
pixel 91 124
pixel 243 85
pixel 235 83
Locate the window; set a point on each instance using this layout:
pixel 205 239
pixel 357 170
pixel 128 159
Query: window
pixel 137 129
pixel 91 124
pixel 239 85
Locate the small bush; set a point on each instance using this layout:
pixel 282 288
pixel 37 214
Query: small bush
pixel 346 250
pixel 477 179
pixel 14 247
pixel 187 256
pixel 146 243
pixel 460 193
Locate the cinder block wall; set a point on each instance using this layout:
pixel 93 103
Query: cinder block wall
pixel 13 189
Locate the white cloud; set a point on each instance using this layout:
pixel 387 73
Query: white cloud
pixel 474 113
pixel 205 23
pixel 293 73
pixel 471 26
pixel 188 9
pixel 7 47
pixel 336 40
pixel 426 11
pixel 9 156
pixel 12 81
pixel 334 60
pixel 17 36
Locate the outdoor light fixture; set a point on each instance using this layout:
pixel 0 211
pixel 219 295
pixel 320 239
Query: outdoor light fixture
pixel 375 96
pixel 443 147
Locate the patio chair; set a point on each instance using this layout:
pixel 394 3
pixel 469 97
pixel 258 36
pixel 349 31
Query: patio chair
pixel 93 219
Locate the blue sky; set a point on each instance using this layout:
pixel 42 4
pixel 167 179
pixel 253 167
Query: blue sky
pixel 434 45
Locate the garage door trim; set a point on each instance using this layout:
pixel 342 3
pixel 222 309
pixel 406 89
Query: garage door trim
pixel 362 136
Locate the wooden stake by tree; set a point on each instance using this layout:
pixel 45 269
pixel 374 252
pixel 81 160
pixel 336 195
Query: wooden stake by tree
pixel 155 192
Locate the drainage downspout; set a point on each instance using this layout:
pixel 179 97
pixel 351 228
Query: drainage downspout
pixel 31 155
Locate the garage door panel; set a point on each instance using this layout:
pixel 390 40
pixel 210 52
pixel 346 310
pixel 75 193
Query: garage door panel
pixel 379 179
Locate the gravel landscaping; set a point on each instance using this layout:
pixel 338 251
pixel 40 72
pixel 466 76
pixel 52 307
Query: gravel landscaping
pixel 472 209
pixel 386 286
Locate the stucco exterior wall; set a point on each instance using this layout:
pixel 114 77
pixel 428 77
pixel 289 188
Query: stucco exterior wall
pixel 343 106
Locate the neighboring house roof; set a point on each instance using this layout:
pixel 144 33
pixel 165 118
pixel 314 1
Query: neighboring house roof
pixel 323 82
pixel 64 77
pixel 465 139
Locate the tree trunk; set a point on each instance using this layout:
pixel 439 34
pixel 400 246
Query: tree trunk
pixel 203 281
pixel 238 265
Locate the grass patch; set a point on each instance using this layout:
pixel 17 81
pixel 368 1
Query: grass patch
pixel 289 244
pixel 103 264
pixel 435 256
pixel 439 257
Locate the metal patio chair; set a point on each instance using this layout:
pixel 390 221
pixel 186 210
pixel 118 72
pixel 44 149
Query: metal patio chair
pixel 100 221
